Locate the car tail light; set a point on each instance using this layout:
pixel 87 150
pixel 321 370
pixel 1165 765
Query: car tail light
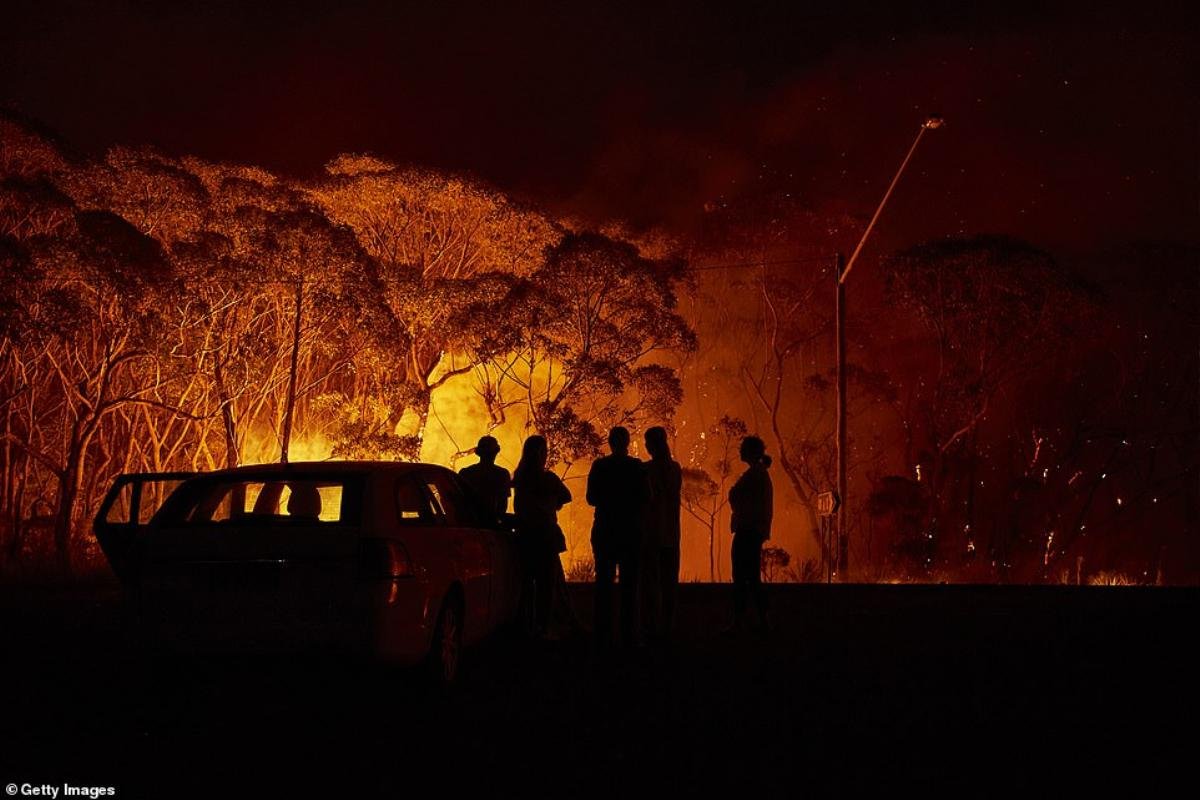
pixel 384 558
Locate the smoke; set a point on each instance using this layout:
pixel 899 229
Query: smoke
pixel 1047 138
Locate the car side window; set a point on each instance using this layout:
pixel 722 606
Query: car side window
pixel 154 494
pixel 437 500
pixel 449 497
pixel 413 506
pixel 264 502
pixel 120 511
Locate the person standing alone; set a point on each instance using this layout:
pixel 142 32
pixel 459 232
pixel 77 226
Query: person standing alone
pixel 617 488
pixel 751 500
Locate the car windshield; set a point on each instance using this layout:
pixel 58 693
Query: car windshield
pixel 290 500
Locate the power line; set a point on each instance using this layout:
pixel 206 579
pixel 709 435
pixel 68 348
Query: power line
pixel 757 264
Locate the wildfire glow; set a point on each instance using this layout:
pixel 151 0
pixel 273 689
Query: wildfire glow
pixel 174 314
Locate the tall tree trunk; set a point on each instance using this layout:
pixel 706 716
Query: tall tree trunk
pixel 423 404
pixel 418 369
pixel 790 470
pixel 6 501
pixel 68 493
pixel 290 407
pixel 6 498
pixel 232 456
pixel 712 559
pixel 18 513
pixel 18 501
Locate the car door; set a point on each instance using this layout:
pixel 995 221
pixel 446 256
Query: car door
pixel 260 557
pixel 125 512
pixel 470 548
pixel 506 566
pixel 505 583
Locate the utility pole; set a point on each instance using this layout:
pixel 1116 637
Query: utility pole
pixel 839 548
pixel 842 557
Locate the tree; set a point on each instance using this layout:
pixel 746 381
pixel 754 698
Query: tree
pixel 764 308
pixel 899 507
pixel 705 497
pixel 996 310
pixel 579 353
pixel 332 283
pixel 157 195
pixel 1117 486
pixel 437 239
pixel 32 210
pixel 26 152
pixel 105 291
pixel 775 562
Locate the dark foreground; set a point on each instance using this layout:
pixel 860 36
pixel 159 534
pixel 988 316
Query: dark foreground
pixel 982 690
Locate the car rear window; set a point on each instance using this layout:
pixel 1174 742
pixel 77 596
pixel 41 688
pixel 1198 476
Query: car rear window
pixel 413 505
pixel 433 498
pixel 146 493
pixel 291 500
pixel 449 500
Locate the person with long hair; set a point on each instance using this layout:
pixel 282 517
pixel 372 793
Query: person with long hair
pixel 660 560
pixel 751 500
pixel 538 494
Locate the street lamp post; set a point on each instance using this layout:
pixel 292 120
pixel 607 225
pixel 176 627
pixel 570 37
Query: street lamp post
pixel 843 544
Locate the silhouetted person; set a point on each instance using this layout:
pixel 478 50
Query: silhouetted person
pixel 538 494
pixel 489 483
pixel 618 489
pixel 751 500
pixel 304 502
pixel 660 554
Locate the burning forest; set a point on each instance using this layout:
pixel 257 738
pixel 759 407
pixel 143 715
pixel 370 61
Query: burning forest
pixel 1008 420
pixel 598 400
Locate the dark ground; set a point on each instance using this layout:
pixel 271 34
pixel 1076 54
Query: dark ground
pixel 982 691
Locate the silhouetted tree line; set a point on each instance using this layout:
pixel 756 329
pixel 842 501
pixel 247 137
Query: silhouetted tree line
pixel 170 313
pixel 1008 421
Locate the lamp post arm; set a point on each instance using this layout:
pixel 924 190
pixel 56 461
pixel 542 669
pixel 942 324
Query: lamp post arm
pixel 882 203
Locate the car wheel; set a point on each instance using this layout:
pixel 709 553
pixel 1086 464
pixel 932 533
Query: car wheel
pixel 446 652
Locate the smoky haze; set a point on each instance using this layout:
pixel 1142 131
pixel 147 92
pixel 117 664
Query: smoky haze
pixel 1070 127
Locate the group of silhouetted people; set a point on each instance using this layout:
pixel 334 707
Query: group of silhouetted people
pixel 635 532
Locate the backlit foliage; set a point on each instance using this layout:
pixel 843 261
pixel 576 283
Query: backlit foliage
pixel 161 313
pixel 1006 422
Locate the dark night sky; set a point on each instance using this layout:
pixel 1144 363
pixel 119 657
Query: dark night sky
pixel 1075 127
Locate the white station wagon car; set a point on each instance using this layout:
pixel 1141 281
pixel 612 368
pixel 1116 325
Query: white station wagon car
pixel 394 559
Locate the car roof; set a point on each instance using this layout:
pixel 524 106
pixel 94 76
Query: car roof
pixel 321 468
